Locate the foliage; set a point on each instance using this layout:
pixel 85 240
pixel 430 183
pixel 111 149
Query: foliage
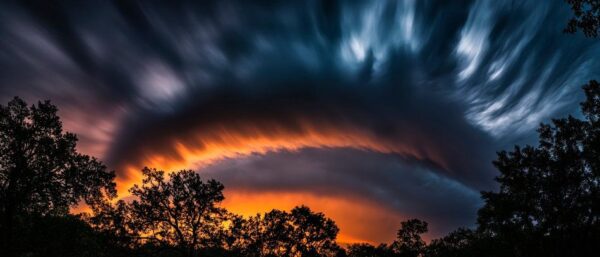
pixel 40 171
pixel 115 221
pixel 367 250
pixel 460 242
pixel 278 233
pixel 586 17
pixel 409 242
pixel 549 194
pixel 65 236
pixel 181 211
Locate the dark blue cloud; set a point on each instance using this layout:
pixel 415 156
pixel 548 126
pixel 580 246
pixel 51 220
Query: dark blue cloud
pixel 452 79
pixel 402 185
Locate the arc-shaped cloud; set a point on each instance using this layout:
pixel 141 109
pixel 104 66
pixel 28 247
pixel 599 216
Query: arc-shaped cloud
pixel 395 107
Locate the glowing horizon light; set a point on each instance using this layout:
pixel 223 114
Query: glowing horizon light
pixel 218 144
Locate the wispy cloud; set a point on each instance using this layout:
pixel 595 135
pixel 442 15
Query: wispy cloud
pixel 399 103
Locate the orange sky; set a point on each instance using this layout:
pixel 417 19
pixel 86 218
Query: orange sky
pixel 358 219
pixel 215 143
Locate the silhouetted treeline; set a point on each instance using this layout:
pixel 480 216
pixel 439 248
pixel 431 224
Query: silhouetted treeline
pixel 547 203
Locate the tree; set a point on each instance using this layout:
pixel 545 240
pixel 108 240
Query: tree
pixel 181 212
pixel 409 242
pixel 367 250
pixel 549 195
pixel 278 233
pixel 314 234
pixel 114 221
pixel 459 243
pixel 63 236
pixel 41 173
pixel 268 235
pixel 586 17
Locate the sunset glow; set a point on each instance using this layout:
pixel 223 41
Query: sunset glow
pixel 352 223
pixel 213 145
pixel 372 112
pixel 217 145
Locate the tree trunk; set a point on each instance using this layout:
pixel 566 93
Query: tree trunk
pixel 7 232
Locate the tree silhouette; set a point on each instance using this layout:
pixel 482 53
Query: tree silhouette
pixel 409 242
pixel 586 17
pixel 181 212
pixel 268 235
pixel 548 197
pixel 278 233
pixel 115 222
pixel 459 243
pixel 367 250
pixel 314 233
pixel 41 174
pixel 63 236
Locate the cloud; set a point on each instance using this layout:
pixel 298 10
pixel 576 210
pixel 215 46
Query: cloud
pixel 394 186
pixel 397 104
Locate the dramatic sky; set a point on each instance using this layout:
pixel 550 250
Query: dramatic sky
pixel 369 111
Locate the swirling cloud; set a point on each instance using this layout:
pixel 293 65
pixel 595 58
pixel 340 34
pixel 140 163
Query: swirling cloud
pixel 391 109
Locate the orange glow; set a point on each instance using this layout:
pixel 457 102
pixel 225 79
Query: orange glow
pixel 217 143
pixel 359 220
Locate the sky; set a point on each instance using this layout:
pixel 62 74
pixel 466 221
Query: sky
pixel 369 111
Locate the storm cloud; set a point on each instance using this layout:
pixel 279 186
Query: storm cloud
pixel 399 104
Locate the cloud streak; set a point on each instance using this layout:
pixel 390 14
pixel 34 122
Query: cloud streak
pixel 397 106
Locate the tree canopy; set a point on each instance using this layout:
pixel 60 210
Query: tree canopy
pixel 409 242
pixel 549 194
pixel 182 214
pixel 41 172
pixel 586 17
pixel 300 232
